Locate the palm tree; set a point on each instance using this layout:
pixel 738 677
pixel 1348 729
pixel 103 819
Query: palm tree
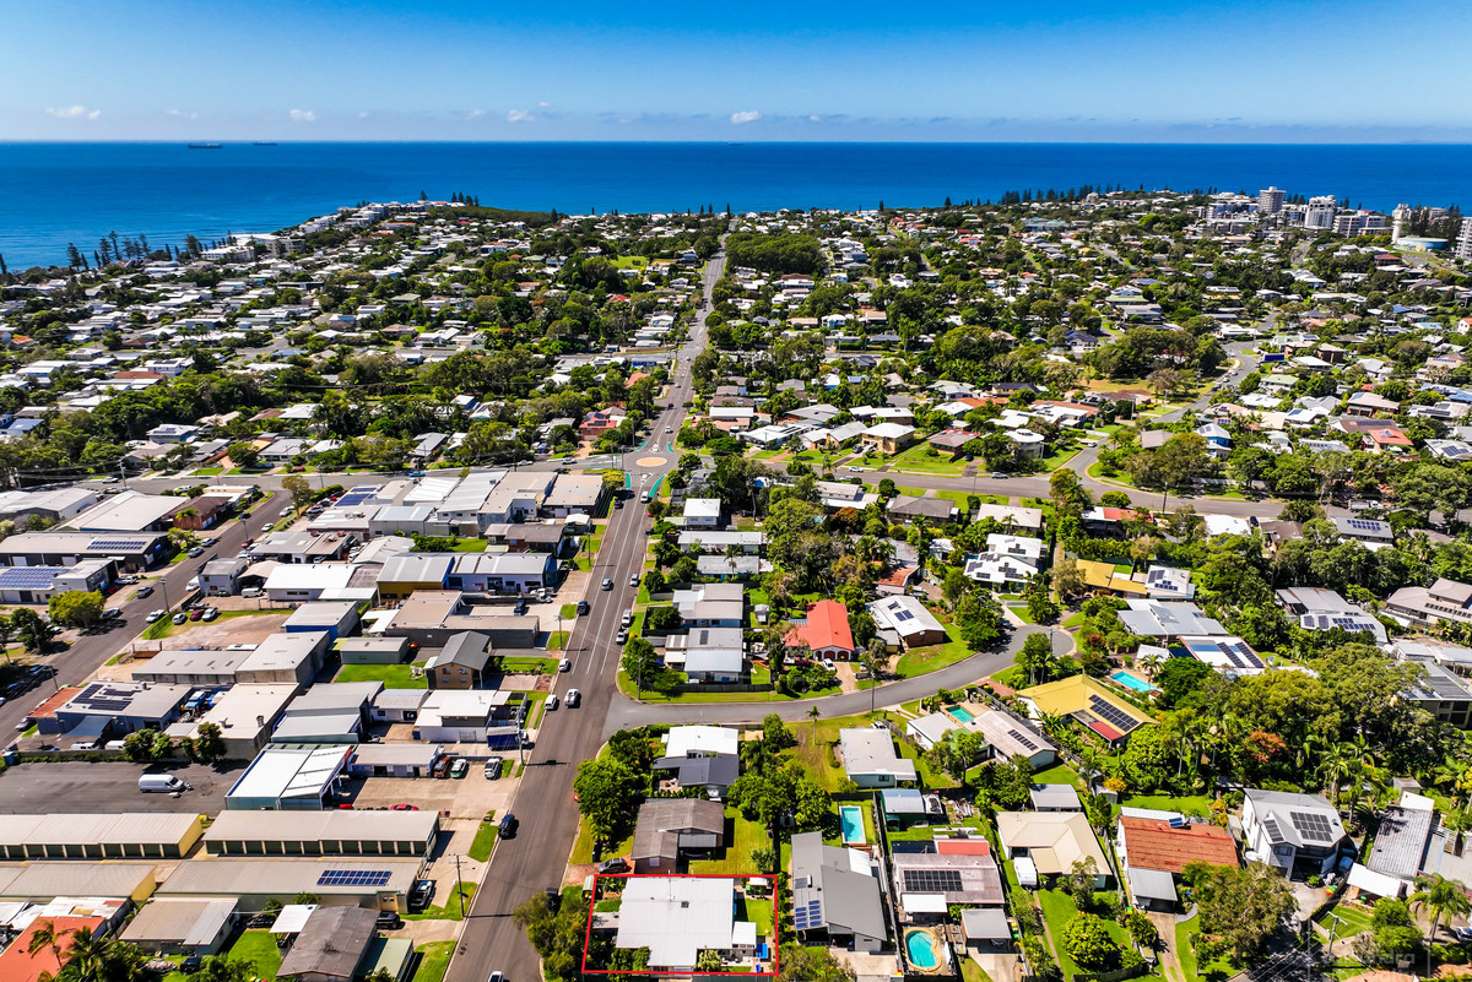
pixel 1443 898
pixel 218 968
pixel 87 954
pixel 814 714
pixel 1335 768
pixel 46 936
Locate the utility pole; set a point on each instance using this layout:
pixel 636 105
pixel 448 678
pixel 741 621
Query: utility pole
pixel 459 887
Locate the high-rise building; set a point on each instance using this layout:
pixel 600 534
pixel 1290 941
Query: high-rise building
pixel 1270 200
pixel 1464 241
pixel 1320 211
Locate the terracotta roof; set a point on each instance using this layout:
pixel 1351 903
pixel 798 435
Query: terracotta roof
pixel 826 627
pixel 1153 843
pixel 963 847
pixel 19 964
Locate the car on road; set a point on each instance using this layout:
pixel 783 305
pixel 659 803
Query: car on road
pixel 644 497
pixel 507 827
pixel 565 665
pixel 583 607
pixel 493 767
pixel 496 976
pixel 669 429
pixel 180 617
pixel 855 470
pixel 459 768
pixel 196 551
pixel 998 476
pixel 573 698
pixel 607 583
pixel 617 864
pixel 551 702
pixel 154 615
pixel 145 591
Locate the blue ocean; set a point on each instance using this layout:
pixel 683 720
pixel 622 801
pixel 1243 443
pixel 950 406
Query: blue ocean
pixel 55 193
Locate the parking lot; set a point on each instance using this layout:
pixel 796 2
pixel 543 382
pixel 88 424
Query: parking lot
pixel 81 786
pixel 466 798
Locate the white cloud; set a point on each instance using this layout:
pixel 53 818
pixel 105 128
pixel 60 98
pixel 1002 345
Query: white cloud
pixel 744 117
pixel 364 114
pixel 303 115
pixel 518 116
pixel 474 113
pixel 181 113
pixel 544 104
pixel 73 112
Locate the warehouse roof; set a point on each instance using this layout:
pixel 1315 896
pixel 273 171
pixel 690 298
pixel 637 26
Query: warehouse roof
pixel 63 878
pixel 130 511
pixel 228 876
pixel 166 828
pixel 191 923
pixel 296 826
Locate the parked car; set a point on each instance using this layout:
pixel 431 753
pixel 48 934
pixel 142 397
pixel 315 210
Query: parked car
pixel 180 617
pixel 573 698
pixel 403 806
pixel 196 614
pixel 622 637
pixel 507 827
pixel 196 551
pixel 493 768
pixel 584 607
pixel 145 591
pixel 210 613
pixel 459 768
pixel 519 608
pixel 551 702
pixel 617 864
pixel 388 920
pixel 154 615
pixel 634 580
pixel 441 768
pixel 421 894
pixel 565 665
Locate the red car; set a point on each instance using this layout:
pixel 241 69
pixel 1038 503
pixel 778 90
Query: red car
pixel 404 806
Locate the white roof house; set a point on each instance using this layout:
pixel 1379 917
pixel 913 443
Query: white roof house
pixel 700 741
pixel 676 918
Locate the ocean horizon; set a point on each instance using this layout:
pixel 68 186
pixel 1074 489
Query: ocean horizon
pixel 55 193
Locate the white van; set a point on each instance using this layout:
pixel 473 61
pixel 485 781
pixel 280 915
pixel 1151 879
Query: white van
pixel 628 618
pixel 251 592
pixel 166 783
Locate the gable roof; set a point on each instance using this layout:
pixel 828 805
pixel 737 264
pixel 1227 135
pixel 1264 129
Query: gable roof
pixel 826 627
pixel 661 819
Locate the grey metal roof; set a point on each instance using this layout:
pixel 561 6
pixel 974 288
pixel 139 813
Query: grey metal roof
pixel 331 944
pixel 1402 841
pixel 847 900
pixel 1151 884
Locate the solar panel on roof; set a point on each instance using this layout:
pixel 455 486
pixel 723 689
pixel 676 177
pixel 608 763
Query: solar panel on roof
pixel 932 880
pixel 353 878
pixel 1022 740
pixel 1313 827
pixel 1112 714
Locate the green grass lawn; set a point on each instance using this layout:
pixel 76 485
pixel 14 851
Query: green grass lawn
pixel 1060 774
pixel 1186 932
pixel 257 947
pixel 434 960
pixel 1058 458
pixel 816 748
pixel 925 459
pixel 449 907
pixel 631 262
pixel 485 840
pixel 970 971
pixel 469 545
pixel 759 912
pixel 582 847
pixel 745 836
pixel 399 676
pixel 932 658
pixel 516 665
pixel 1352 919
pixel 1195 805
pixel 1021 612
pixel 557 640
pixel 1058 911
pixel 568 612
pixel 1074 620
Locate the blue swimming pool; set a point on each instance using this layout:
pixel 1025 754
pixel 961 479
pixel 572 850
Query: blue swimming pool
pixel 851 819
pixel 961 713
pixel 1131 681
pixel 920 949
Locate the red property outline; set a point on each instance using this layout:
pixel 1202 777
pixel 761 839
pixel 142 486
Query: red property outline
pixel 774 943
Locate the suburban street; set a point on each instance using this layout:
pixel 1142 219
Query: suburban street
pixel 534 859
pixel 90 650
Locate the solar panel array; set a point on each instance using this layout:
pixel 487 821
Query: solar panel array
pixel 120 545
pixel 28 577
pixel 1112 714
pixel 903 615
pixel 1237 652
pixel 354 498
pixel 1022 739
pixel 1364 524
pixel 932 880
pixel 808 916
pixel 1313 827
pixel 353 878
pixel 1270 825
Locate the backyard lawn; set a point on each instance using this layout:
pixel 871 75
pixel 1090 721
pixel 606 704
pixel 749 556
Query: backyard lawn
pixel 1195 805
pixel 746 836
pixel 258 948
pixel 399 676
pixel 1058 911
pixel 1059 774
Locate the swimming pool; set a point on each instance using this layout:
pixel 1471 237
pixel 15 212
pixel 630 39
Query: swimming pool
pixel 961 713
pixel 920 949
pixel 851 818
pixel 1131 681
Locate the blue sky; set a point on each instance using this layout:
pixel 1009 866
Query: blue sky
pixel 1147 70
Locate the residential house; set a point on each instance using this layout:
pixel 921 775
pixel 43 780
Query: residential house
pixel 461 663
pixel 836 895
pixel 824 632
pixel 669 829
pixel 1297 834
pixel 869 758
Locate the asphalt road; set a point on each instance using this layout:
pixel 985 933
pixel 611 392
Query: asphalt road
pixel 627 712
pixel 89 651
pixel 534 859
